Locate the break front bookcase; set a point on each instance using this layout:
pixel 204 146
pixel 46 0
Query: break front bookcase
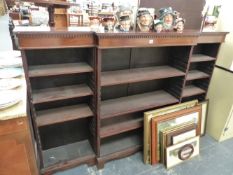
pixel 88 91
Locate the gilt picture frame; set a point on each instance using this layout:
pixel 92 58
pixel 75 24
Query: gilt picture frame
pixel 155 113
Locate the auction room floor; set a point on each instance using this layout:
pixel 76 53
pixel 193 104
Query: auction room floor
pixel 214 159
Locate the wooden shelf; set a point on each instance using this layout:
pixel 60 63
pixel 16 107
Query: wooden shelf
pixel 121 127
pixel 196 74
pixel 135 103
pixel 60 93
pixel 79 152
pixel 59 69
pixel 120 143
pixel 63 114
pixel 138 74
pixel 201 58
pixel 192 90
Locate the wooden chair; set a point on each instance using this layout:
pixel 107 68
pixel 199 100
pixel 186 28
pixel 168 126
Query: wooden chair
pixel 79 21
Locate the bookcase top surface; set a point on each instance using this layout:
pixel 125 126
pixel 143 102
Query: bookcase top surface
pixel 84 37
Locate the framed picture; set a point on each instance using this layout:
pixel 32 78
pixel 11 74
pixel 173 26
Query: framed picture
pixel 176 133
pixel 183 136
pixel 204 113
pixel 183 151
pixel 180 132
pixel 155 113
pixel 158 124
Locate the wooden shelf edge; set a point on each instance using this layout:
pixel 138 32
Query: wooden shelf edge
pixel 172 100
pixel 60 93
pixel 192 91
pixel 63 114
pixel 68 155
pixel 201 58
pixel 139 74
pixel 120 128
pixel 89 160
pixel 59 69
pixel 196 74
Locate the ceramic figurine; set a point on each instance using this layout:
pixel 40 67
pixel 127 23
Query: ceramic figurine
pixel 124 15
pixel 167 15
pixel 125 11
pixel 158 26
pixel 179 25
pixel 94 23
pixel 124 24
pixel 108 23
pixel 144 20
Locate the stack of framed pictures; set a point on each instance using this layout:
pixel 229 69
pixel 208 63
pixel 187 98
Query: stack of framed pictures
pixel 171 134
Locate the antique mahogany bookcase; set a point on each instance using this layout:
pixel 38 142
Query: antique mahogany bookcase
pixel 88 91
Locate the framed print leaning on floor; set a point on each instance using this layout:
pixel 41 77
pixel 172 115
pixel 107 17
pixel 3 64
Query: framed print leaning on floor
pixel 183 151
pixel 155 113
pixel 162 122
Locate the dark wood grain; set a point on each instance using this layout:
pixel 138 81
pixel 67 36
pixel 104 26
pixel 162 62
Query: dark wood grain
pixel 110 138
pixel 63 114
pixel 201 58
pixel 54 39
pixel 134 103
pixel 196 74
pixel 149 39
pixel 192 90
pixel 122 127
pixel 59 69
pixel 60 93
pixel 139 74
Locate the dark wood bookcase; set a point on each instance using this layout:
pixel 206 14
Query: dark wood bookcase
pixel 88 91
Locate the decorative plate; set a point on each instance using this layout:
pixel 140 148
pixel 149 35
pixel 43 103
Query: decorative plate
pixel 10 72
pixel 9 83
pixel 9 98
pixel 11 62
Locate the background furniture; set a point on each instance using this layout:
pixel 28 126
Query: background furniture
pixel 16 145
pixel 92 88
pixel 15 15
pixel 75 19
pixel 57 11
pixel 3 8
pixel 220 117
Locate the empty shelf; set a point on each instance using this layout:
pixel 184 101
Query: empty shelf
pixel 138 74
pixel 196 74
pixel 80 151
pixel 59 69
pixel 201 58
pixel 120 143
pixel 60 93
pixel 192 90
pixel 62 114
pixel 118 128
pixel 134 103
